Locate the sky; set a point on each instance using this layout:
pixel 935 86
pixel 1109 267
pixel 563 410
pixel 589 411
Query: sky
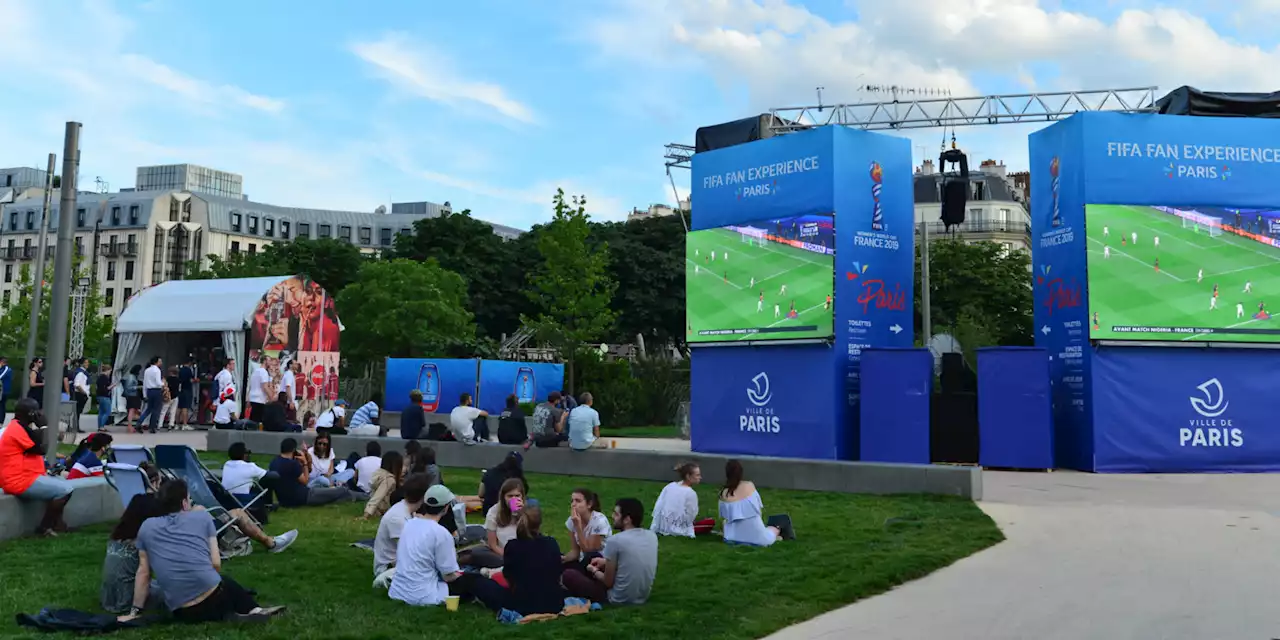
pixel 492 106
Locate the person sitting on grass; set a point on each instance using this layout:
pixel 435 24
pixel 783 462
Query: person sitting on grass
pixel 367 466
pixel 413 418
pixel 22 470
pixel 180 545
pixel 676 511
pixel 86 460
pixel 624 575
pixel 293 489
pixel 512 428
pixel 499 526
pixel 392 523
pixel 492 480
pixel 385 481
pixel 741 509
pixel 427 571
pixel 588 529
pixel 239 473
pixel 323 470
pixel 532 568
pixel 120 567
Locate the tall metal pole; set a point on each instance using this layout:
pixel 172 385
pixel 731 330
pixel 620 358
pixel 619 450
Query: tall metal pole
pixel 60 304
pixel 926 322
pixel 37 293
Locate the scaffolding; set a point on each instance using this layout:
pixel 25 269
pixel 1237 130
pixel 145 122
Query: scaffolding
pixel 945 112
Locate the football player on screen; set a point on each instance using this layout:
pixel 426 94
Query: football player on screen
pixel 1157 265
pixel 1095 320
pixel 1213 303
pixel 1157 238
pixel 760 303
pixel 1134 235
pixel 782 291
pixel 1239 310
pixel 1199 276
pixel 777 311
pixel 1106 251
pixel 827 305
pixel 1106 231
pixel 1248 286
pixel 1215 289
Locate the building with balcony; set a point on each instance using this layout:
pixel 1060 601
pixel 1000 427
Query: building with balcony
pixel 656 211
pixel 996 211
pixel 140 237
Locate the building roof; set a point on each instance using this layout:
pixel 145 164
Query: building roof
pixel 92 204
pixel 180 306
pixel 221 208
pixel 996 189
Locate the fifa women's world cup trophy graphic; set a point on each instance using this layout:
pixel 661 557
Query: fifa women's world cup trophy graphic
pixel 877 214
pixel 1056 221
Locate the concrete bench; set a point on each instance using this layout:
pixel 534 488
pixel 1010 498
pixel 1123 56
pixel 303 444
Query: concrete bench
pixel 94 501
pixel 774 473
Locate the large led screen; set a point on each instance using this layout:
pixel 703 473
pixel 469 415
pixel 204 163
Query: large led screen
pixel 763 280
pixel 1175 273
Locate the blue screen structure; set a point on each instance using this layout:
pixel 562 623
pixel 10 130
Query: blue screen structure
pixel 530 382
pixel 779 177
pixel 441 382
pixel 761 280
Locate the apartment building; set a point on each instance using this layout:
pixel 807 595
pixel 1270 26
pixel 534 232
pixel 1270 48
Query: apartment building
pixel 996 210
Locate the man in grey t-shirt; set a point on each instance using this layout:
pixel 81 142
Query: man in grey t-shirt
pixel 630 557
pixel 178 551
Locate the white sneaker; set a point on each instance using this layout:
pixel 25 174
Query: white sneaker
pixel 284 540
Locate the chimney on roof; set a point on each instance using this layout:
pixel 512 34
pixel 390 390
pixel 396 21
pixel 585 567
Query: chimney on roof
pixel 926 168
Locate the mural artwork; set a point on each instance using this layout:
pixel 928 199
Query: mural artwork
pixel 296 321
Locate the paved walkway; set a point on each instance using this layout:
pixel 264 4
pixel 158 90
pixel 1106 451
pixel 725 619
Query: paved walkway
pixel 1174 557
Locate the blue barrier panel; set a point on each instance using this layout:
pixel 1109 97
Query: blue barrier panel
pixel 896 387
pixel 529 381
pixel 766 401
pixel 440 381
pixel 1015 417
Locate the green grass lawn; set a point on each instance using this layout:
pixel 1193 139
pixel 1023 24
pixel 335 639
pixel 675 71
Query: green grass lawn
pixel 721 296
pixel 1126 290
pixel 849 547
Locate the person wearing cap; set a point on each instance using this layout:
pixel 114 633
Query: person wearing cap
pixel 427 569
pixel 228 409
pixel 333 418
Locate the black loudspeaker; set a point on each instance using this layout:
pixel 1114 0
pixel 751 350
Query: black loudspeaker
pixel 955 190
pixel 955 195
pixel 956 375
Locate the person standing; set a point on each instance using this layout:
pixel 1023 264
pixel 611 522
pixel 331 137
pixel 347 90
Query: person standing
pixel 289 386
pixel 153 389
pixel 35 377
pixel 225 378
pixel 103 387
pixel 173 389
pixel 186 391
pixel 80 389
pixel 258 392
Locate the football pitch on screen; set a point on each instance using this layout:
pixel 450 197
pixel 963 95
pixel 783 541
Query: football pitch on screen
pixel 721 296
pixel 1127 290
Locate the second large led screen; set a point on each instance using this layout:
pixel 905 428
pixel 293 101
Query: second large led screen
pixel 762 280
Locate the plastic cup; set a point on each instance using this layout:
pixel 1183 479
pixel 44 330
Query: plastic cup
pixel 451 603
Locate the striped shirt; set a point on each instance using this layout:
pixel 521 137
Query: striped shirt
pixel 364 415
pixel 86 466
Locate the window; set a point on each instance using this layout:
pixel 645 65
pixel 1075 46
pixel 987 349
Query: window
pixel 128 293
pixel 269 227
pixel 79 246
pixel 235 221
pixel 384 237
pixel 344 233
pixel 253 224
pixel 133 214
pixel 111 270
pixel 366 235
pixel 6 297
pixel 235 246
pixel 9 245
pixel 31 219
pixel 111 241
pixel 304 230
pixel 133 242
pixel 80 217
pixel 8 273
pixel 115 216
pixel 128 270
pixel 26 246
pixel 326 231
pixel 110 297
pixel 253 248
pixel 13 220
pixel 284 229
pixel 404 231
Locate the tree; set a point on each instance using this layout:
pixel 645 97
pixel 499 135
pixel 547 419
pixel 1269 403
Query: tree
pixel 15 323
pixel 404 309
pixel 332 263
pixel 571 290
pixel 646 260
pixel 980 289
pixel 492 268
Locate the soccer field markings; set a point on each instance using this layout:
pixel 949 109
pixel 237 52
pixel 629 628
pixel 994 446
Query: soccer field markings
pixel 785 318
pixel 699 269
pixel 765 247
pixel 1230 326
pixel 1119 252
pixel 1227 237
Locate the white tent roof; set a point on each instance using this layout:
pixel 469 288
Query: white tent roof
pixel 196 305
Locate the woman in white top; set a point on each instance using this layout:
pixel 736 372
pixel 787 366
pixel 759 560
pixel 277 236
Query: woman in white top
pixel 499 527
pixel 676 511
pixel 324 469
pixel 740 508
pixel 588 528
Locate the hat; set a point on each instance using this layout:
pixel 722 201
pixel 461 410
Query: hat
pixel 340 403
pixel 438 496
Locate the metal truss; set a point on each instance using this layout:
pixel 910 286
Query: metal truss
pixel 1026 108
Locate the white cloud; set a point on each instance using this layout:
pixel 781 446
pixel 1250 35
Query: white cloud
pixel 416 69
pixel 193 90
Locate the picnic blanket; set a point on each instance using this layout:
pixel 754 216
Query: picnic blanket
pixel 572 607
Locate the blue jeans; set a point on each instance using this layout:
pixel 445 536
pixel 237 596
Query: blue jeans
pixel 104 411
pixel 155 403
pixel 47 488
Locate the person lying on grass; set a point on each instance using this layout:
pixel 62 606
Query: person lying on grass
pixel 181 546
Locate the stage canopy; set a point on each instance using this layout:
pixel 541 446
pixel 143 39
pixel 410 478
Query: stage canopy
pixel 196 305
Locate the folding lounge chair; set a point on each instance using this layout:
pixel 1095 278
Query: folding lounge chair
pixel 179 461
pixel 129 481
pixel 134 454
